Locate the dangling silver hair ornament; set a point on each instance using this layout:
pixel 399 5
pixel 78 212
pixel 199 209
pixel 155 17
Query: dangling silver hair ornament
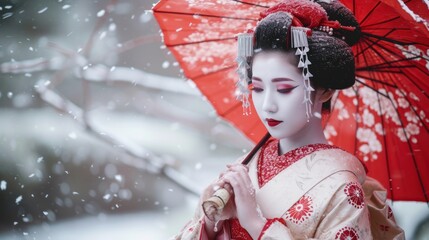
pixel 245 51
pixel 300 42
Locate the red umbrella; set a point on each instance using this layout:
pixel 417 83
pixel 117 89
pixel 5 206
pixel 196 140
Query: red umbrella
pixel 382 119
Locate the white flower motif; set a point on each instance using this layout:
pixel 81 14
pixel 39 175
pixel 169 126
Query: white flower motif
pixel 339 104
pixel 410 52
pixel 369 97
pixel 403 103
pixel 365 135
pixel 422 114
pixel 379 129
pixel 342 111
pixel 364 148
pixel 349 92
pixel 330 131
pixel 368 118
pixel 343 114
pixel 205 53
pixel 411 117
pixel 222 29
pixel 414 96
pixel 402 134
pixel 400 93
pixel 412 129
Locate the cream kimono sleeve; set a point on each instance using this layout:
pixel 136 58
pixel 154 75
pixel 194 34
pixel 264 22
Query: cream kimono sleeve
pixel 333 209
pixel 195 228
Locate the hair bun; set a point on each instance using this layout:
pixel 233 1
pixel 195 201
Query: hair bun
pixel 338 12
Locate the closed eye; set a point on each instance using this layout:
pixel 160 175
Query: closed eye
pixel 286 90
pixel 256 88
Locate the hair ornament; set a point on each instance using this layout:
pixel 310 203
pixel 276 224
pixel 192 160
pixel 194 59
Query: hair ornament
pixel 245 51
pixel 300 42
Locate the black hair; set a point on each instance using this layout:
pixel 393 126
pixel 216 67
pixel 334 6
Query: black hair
pixel 332 60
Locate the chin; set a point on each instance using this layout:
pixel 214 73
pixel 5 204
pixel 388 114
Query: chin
pixel 278 135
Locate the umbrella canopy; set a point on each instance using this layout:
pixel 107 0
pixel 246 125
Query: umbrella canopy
pixel 382 119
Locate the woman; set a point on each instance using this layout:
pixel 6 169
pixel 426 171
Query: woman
pixel 297 186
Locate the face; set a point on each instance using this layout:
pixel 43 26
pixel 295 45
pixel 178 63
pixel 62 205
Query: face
pixel 278 93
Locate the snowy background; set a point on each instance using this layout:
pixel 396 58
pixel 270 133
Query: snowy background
pixel 101 136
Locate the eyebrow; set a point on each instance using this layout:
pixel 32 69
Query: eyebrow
pixel 274 79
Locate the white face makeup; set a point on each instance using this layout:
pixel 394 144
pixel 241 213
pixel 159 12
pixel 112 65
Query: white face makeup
pixel 278 93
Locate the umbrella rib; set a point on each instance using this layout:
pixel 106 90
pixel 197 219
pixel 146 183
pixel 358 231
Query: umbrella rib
pixel 399 69
pixel 384 59
pixel 377 81
pixel 369 13
pixel 252 4
pixel 401 58
pixel 384 38
pixel 382 65
pixel 386 62
pixel 372 88
pixel 387 69
pixel 354 8
pixel 384 28
pixel 205 15
pixel 204 41
pixel 379 23
pixel 369 42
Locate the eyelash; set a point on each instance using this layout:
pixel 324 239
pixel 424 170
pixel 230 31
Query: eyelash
pixel 286 90
pixel 283 90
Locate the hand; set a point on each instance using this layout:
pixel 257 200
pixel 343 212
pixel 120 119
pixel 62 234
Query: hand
pixel 227 212
pixel 244 198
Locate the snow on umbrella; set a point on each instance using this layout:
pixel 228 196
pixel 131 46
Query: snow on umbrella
pixel 383 118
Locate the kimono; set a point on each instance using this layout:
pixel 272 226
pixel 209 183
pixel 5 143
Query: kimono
pixel 312 192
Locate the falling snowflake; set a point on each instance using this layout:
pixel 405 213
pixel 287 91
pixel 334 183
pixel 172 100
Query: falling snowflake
pixel 3 185
pixel 18 199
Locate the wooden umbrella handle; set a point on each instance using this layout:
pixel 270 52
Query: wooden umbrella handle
pixel 213 206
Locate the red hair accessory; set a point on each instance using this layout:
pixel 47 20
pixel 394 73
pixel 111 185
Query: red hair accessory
pixel 309 14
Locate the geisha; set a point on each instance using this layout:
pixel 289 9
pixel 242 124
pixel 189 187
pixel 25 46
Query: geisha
pixel 297 186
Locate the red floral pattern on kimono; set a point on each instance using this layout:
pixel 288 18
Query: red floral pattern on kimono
pixel 269 165
pixel 347 233
pixel 238 232
pixel 354 194
pixel 301 210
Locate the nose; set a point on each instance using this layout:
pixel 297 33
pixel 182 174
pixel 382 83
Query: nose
pixel 269 104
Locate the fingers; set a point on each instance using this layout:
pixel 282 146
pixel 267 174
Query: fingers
pixel 240 182
pixel 242 171
pixel 236 167
pixel 228 188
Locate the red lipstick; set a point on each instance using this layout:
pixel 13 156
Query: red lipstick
pixel 272 122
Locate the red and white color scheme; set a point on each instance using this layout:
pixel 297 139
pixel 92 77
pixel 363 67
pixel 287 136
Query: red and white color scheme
pixel 383 119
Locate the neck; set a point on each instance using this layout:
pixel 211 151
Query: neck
pixel 311 134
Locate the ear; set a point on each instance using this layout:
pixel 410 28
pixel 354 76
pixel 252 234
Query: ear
pixel 326 94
